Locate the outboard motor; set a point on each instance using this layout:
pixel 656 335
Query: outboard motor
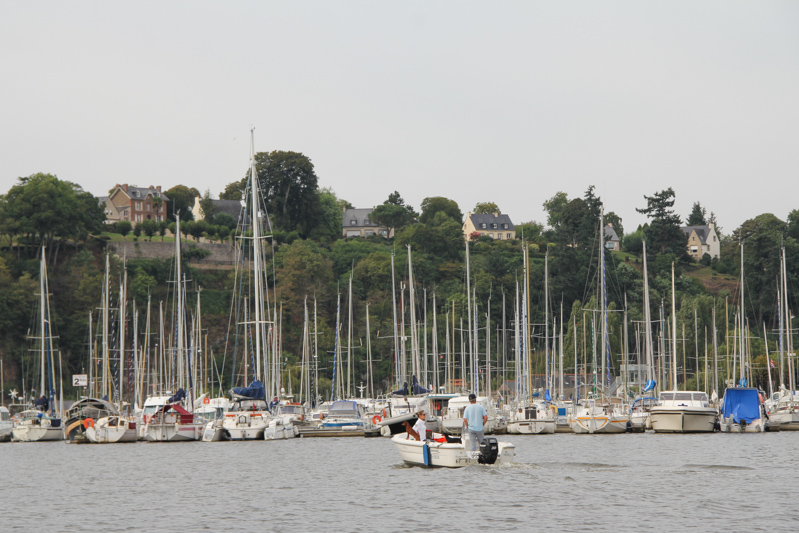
pixel 489 451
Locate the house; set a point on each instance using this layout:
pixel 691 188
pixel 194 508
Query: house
pixel 495 225
pixel 231 207
pixel 356 223
pixel 612 241
pixel 702 240
pixel 135 204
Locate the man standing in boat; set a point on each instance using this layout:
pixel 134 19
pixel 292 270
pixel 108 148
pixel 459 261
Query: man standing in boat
pixel 474 418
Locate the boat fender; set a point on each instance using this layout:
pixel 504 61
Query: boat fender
pixel 206 400
pixel 384 413
pixel 629 426
pixel 426 454
pixel 376 419
pixel 88 422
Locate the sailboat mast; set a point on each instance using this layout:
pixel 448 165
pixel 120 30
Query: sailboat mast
pixel 673 332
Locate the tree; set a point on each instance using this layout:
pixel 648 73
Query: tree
pixel 529 231
pixel 486 208
pixel 157 202
pixel 137 230
pixel 393 213
pixel 697 216
pixel 328 217
pixel 124 227
pixel 225 219
pixel 181 200
pixel 438 204
pixel 289 186
pixel 207 205
pixel 615 220
pixel 234 190
pixel 663 235
pixel 149 227
pixel 554 208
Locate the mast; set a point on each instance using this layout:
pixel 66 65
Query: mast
pixel 469 313
pixel 256 240
pixel 546 321
pixel 397 373
pixel 673 332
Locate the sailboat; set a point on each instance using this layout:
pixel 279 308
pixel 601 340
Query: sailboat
pixel 596 415
pixel 42 424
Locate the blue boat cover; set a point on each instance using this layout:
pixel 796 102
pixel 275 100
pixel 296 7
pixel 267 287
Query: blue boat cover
pixel 403 391
pixel 650 385
pixel 255 391
pixel 742 404
pixel 547 396
pixel 178 397
pixel 416 388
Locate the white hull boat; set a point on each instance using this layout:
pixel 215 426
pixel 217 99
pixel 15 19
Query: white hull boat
pixel 741 411
pixel 37 427
pixel 112 429
pixel 531 427
pixel 6 426
pixel 593 419
pixel 683 412
pixel 279 429
pixel 449 454
pixel 173 424
pixel 245 425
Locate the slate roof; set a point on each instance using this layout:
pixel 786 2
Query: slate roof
pixel 360 215
pixel 489 219
pixel 701 231
pixel 231 207
pixel 611 234
pixel 140 193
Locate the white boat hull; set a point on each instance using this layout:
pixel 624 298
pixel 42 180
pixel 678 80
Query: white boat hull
pixel 788 420
pixel 726 425
pixel 245 425
pixel 173 432
pixel 25 433
pixel 101 432
pixel 443 454
pixel 598 424
pixel 281 431
pixel 532 427
pixel 675 420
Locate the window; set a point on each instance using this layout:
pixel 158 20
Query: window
pixel 368 233
pixel 714 240
pixel 353 233
pixel 384 232
pixel 491 235
pixel 367 222
pixel 499 236
pixel 504 226
pixel 147 206
pixel 493 226
pixel 694 249
pixel 483 225
pixel 353 222
pixel 508 236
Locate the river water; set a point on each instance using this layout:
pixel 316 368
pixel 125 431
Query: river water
pixel 562 482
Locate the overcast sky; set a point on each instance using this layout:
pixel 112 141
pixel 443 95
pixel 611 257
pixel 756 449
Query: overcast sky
pixel 507 102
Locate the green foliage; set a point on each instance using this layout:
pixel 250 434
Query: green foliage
pixel 633 242
pixel 207 205
pixel 393 213
pixel 181 200
pixel 486 208
pixel 434 205
pixel 290 189
pixel 149 227
pixel 663 235
pixel 329 217
pixel 234 190
pixel 192 253
pixel 124 227
pixel 697 216
pixel 224 219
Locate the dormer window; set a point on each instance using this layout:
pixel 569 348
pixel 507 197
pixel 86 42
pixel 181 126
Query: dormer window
pixel 483 225
pixel 353 222
pixel 504 226
pixel 493 226
pixel 367 222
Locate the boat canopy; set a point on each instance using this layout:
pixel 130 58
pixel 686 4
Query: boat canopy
pixel 344 408
pixel 255 391
pixel 741 404
pixel 650 385
pixel 416 388
pixel 178 397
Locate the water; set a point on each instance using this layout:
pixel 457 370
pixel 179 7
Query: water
pixel 711 482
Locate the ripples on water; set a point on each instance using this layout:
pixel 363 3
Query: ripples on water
pixel 559 482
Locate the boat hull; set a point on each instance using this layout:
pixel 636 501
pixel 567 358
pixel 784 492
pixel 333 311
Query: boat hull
pixel 598 425
pixel 445 454
pixel 103 432
pixel 726 425
pixel 37 433
pixel 786 420
pixel 532 427
pixel 672 420
pixel 173 432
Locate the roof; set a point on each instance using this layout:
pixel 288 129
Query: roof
pixel 360 216
pixel 137 193
pixel 231 207
pixel 610 233
pixel 491 218
pixel 701 231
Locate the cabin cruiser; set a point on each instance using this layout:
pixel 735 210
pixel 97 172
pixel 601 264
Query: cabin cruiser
pixel 742 411
pixel 639 413
pixel 111 429
pixel 451 452
pixel 683 412
pixel 172 422
pixel 36 426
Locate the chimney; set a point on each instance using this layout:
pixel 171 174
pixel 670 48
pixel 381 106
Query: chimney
pixel 125 187
pixel 158 188
pixel 496 214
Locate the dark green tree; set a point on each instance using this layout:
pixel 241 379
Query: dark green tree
pixel 149 227
pixel 663 236
pixel 207 205
pixel 554 208
pixel 486 208
pixel 438 204
pixel 181 200
pixel 124 227
pixel 328 217
pixel 234 190
pixel 290 189
pixel 393 213
pixel 697 216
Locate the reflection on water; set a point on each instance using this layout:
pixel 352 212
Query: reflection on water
pixel 559 483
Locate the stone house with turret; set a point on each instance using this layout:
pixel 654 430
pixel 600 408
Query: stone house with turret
pixel 134 204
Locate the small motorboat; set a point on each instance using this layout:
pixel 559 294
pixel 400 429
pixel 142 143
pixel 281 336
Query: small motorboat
pixel 452 452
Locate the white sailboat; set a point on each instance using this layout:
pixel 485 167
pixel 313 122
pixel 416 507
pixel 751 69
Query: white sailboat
pixel 42 425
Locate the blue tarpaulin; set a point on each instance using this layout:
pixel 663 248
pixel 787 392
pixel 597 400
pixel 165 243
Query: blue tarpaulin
pixel 178 397
pixel 255 391
pixel 741 404
pixel 416 388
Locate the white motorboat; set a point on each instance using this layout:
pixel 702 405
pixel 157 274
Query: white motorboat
pixel 593 417
pixel 741 411
pixel 451 452
pixel 280 428
pixel 6 426
pixel 111 429
pixel 639 413
pixel 532 419
pixel 173 423
pixel 683 412
pixel 246 420
pixel 36 426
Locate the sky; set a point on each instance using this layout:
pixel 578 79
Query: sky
pixel 505 102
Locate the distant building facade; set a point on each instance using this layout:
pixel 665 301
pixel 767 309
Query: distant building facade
pixel 357 223
pixel 495 225
pixel 134 204
pixel 612 241
pixel 702 240
pixel 231 207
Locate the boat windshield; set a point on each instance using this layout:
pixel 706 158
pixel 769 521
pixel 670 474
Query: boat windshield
pixel 290 410
pixel 682 396
pixel 150 409
pixel 700 397
pixel 666 396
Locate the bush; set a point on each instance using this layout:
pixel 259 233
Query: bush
pixel 706 260
pixel 124 227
